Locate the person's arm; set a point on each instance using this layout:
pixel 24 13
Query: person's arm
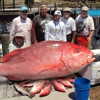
pixel 13 30
pixel 33 33
pixel 90 36
pixel 73 36
pixel 73 31
pixel 92 29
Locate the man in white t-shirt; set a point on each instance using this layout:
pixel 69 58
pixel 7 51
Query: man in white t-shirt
pixel 55 29
pixel 69 24
pixel 85 25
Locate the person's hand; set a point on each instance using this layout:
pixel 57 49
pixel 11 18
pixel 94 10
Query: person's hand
pixel 72 41
pixel 35 41
pixel 89 39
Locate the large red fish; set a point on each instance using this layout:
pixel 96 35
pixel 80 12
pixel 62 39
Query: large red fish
pixel 48 59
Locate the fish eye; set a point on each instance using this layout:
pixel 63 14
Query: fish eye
pixel 77 50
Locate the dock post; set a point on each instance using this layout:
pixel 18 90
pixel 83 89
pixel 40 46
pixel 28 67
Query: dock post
pixel 0 7
pixel 38 9
pixel 5 43
pixel 50 11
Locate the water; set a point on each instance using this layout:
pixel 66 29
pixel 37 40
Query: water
pixel 1 29
pixel 92 12
pixel 5 28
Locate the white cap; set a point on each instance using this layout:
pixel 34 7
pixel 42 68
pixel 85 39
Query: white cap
pixel 57 12
pixel 85 8
pixel 18 35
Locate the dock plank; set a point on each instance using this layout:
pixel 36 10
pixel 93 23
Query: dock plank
pixel 7 90
pixel 10 90
pixel 68 95
pixel 3 87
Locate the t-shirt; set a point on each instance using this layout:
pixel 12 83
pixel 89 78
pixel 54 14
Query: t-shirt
pixel 40 24
pixel 69 25
pixel 55 31
pixel 84 25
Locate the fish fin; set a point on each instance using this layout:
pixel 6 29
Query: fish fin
pixel 46 90
pixel 37 88
pixel 58 86
pixel 10 55
pixel 65 82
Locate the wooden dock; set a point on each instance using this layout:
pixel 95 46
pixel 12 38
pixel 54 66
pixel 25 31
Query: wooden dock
pixel 8 92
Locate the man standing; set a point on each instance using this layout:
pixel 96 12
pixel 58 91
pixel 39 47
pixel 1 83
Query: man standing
pixel 22 24
pixel 69 24
pixel 39 23
pixel 55 29
pixel 85 25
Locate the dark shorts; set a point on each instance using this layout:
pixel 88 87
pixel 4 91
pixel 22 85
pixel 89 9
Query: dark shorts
pixel 69 37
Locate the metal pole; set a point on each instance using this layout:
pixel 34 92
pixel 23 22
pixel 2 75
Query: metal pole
pixel 13 3
pixel 55 6
pixel 50 10
pixel 0 6
pixel 3 5
pixel 29 5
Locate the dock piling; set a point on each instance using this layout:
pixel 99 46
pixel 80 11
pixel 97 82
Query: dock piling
pixel 5 43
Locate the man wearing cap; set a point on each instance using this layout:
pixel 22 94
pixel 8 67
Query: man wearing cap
pixel 69 24
pixel 17 42
pixel 39 23
pixel 55 29
pixel 85 25
pixel 22 24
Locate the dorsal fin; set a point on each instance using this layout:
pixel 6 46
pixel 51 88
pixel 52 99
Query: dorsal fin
pixel 9 55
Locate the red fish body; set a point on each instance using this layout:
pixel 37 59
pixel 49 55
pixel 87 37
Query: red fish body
pixel 47 59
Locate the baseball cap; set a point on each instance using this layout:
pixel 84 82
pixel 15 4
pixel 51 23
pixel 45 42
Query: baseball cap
pixel 85 8
pixel 57 12
pixel 67 9
pixel 23 8
pixel 18 35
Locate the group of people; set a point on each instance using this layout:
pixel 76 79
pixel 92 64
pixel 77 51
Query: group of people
pixel 45 27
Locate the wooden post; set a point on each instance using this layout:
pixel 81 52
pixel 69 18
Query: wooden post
pixel 5 43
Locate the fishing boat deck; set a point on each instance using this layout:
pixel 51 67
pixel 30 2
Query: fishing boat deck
pixel 8 92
